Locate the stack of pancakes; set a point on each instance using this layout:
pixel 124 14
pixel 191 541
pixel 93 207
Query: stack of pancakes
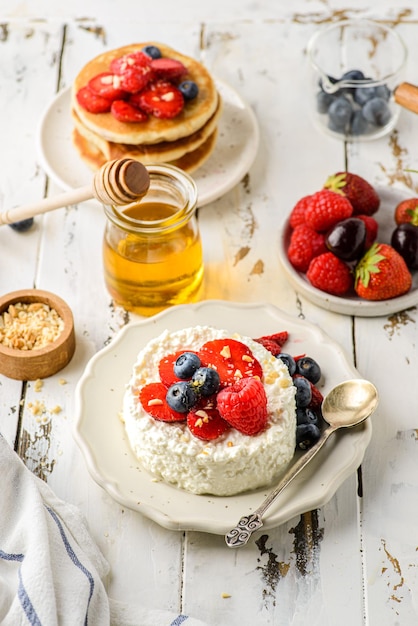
pixel 186 140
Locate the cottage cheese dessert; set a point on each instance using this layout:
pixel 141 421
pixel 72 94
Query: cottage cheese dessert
pixel 145 101
pixel 209 449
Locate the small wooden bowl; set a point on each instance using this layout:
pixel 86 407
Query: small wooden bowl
pixel 45 361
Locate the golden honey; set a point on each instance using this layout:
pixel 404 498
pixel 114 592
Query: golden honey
pixel 152 250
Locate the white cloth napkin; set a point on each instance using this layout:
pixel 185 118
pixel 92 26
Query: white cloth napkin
pixel 51 571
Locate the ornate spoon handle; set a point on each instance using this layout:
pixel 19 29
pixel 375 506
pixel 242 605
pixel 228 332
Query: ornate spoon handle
pixel 248 524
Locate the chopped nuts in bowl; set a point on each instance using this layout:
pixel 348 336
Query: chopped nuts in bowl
pixel 36 334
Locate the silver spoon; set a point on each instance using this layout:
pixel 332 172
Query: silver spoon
pixel 346 405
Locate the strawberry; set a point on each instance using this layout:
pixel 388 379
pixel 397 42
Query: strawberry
pixel 406 212
pixel 232 360
pixel 166 368
pixel 107 85
pixel 168 69
pixel 371 229
pixel 132 60
pixel 382 273
pixel 330 274
pixel 357 190
pixel 274 343
pixel 92 102
pixel 305 244
pixel 126 112
pixel 325 208
pixel 244 405
pixel 152 397
pixel 161 99
pixel 297 214
pixel 135 79
pixel 206 423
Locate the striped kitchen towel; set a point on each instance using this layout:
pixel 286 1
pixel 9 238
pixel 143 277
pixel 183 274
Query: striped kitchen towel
pixel 51 571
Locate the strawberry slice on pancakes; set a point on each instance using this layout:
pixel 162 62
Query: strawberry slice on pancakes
pixel 93 102
pixel 161 99
pixel 126 112
pixel 107 85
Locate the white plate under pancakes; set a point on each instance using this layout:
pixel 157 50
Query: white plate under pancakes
pixel 234 153
pixel 113 466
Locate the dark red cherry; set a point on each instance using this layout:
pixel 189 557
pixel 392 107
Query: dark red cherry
pixel 405 241
pixel 347 238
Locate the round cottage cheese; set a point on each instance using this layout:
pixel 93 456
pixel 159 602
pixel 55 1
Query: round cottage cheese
pixel 230 464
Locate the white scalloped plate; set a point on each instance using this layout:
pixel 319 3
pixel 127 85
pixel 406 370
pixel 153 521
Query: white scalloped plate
pixel 353 305
pixel 101 437
pixel 234 153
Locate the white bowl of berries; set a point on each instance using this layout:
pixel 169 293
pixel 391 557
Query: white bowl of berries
pixel 352 248
pixel 356 66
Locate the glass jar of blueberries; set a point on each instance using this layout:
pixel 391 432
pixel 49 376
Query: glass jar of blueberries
pixel 356 66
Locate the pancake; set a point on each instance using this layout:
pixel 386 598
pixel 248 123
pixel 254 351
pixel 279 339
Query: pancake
pixel 162 152
pixel 189 162
pixel 195 114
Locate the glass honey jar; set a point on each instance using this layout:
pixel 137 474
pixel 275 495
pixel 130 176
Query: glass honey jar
pixel 152 250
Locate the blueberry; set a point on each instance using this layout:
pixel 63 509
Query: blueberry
pixel 323 101
pixel 359 124
pixel 289 361
pixel 383 91
pixel 340 111
pixel 353 75
pixel 303 394
pixel 309 368
pixel 364 94
pixel 189 89
pixel 186 365
pixel 206 381
pixel 307 435
pixel 23 225
pixel 152 51
pixel 181 397
pixel 305 415
pixel 377 111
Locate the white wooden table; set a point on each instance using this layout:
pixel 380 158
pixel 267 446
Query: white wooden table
pixel 355 560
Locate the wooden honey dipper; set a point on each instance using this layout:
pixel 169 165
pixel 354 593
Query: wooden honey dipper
pixel 117 182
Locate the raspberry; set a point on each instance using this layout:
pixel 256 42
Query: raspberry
pixel 244 405
pixel 328 273
pixel 153 400
pixel 231 359
pixel 325 209
pixel 297 214
pixel 305 244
